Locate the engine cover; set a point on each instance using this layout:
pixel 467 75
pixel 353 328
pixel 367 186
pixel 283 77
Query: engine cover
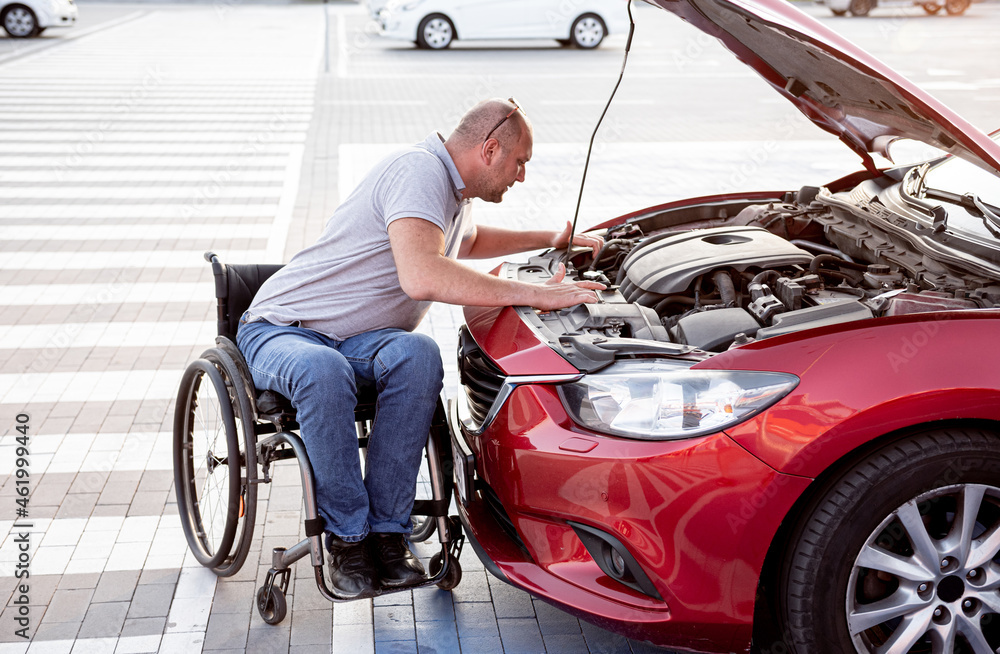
pixel 668 265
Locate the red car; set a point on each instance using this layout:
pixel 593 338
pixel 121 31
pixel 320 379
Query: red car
pixel 779 429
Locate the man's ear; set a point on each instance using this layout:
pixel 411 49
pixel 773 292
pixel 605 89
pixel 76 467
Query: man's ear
pixel 490 151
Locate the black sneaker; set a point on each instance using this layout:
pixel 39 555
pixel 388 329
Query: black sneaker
pixel 395 563
pixel 351 571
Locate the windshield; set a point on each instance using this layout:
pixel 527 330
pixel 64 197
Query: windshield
pixel 959 177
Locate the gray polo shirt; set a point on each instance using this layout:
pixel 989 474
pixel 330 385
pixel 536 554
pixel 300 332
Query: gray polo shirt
pixel 346 283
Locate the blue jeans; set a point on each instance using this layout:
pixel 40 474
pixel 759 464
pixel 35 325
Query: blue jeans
pixel 321 377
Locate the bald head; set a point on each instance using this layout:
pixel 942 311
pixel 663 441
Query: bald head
pixel 478 121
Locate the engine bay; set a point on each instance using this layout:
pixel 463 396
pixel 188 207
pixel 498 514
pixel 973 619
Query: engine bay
pixel 712 276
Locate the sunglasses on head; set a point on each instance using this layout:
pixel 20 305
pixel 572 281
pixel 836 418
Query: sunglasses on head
pixel 511 113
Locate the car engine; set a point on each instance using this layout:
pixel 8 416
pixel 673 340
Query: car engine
pixel 716 275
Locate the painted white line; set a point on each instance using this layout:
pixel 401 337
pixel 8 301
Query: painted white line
pixel 102 544
pixel 72 36
pixel 71 161
pixel 136 136
pixel 91 452
pixel 138 192
pixel 138 211
pixel 342 53
pixel 132 232
pixel 106 293
pixel 376 103
pixel 132 176
pixel 597 102
pixel 86 148
pixel 223 104
pixel 107 334
pixel 117 260
pixel 283 215
pixel 104 386
pixel 152 115
pixel 162 129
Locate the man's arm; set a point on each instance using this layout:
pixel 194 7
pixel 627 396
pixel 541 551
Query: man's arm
pixel 488 242
pixel 425 273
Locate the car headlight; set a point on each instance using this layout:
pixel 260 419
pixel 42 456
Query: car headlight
pixel 664 399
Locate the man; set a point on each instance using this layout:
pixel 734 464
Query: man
pixel 340 316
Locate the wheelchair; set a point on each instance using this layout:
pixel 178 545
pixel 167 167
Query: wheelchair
pixel 227 434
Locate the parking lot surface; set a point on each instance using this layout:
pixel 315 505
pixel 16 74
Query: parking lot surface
pixel 153 132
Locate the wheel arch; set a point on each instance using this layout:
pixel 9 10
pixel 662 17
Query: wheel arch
pixel 765 610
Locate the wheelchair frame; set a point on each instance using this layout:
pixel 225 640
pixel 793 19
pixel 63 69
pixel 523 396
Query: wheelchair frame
pixel 216 485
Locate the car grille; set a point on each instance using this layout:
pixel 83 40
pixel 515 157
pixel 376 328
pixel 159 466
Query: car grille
pixel 480 378
pixel 500 515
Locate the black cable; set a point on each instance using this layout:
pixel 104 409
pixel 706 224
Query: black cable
pixel 590 147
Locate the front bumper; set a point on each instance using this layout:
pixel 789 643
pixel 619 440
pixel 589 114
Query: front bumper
pixel 681 509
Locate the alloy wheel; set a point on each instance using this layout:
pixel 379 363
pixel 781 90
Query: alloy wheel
pixel 588 32
pixel 19 22
pixel 926 579
pixel 437 33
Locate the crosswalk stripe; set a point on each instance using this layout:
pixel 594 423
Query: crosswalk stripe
pixel 118 260
pixel 132 232
pixel 106 293
pixel 129 176
pixel 104 386
pixel 88 147
pixel 108 334
pixel 137 192
pixel 144 136
pixel 137 211
pixel 56 165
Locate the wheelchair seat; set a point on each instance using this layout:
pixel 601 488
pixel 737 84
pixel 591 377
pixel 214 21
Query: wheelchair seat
pixel 235 287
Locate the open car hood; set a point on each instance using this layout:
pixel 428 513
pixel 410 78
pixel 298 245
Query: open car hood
pixel 836 84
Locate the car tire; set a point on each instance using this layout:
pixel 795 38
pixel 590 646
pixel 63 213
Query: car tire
pixel 588 31
pixel 20 22
pixel 436 32
pixel 839 12
pixel 956 7
pixel 861 7
pixel 931 8
pixel 900 546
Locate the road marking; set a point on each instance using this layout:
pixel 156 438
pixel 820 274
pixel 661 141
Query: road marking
pixel 286 204
pixel 72 36
pixel 136 192
pixel 274 174
pixel 103 386
pixel 72 160
pixel 120 260
pixel 107 334
pixel 137 211
pixel 116 233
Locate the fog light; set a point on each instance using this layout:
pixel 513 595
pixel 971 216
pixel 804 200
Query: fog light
pixel 614 559
pixel 617 563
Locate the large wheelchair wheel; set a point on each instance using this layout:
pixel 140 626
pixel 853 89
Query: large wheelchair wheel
pixel 216 498
pixel 237 384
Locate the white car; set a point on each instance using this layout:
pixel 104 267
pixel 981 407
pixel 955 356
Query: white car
pixel 435 24
pixel 863 7
pixel 24 18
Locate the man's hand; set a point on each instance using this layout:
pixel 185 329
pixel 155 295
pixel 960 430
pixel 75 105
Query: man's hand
pixel 592 241
pixel 557 293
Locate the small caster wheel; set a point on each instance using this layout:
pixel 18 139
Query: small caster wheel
pixel 454 575
pixel 271 606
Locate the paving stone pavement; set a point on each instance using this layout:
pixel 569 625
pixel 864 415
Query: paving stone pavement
pixel 158 131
